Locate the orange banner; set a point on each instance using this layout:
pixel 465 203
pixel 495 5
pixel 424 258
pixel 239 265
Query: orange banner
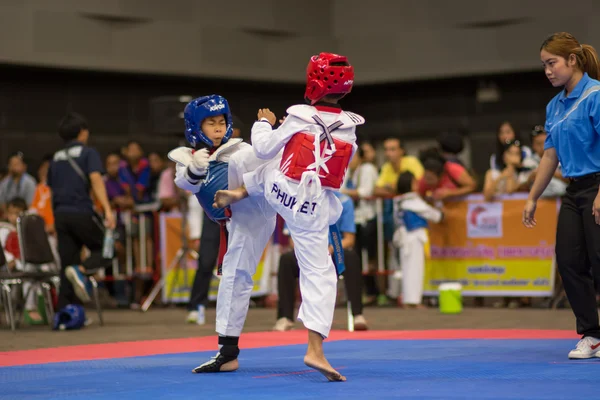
pixel 179 280
pixel 486 248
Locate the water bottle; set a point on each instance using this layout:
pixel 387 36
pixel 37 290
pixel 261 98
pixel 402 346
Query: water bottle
pixel 201 317
pixel 109 244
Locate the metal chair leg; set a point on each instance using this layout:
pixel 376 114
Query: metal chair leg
pixel 4 305
pixel 97 299
pixel 11 317
pixel 46 289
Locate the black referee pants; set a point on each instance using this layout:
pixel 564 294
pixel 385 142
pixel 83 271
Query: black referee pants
pixel 289 272
pixel 208 253
pixel 578 252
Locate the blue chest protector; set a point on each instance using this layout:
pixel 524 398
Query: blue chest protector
pixel 412 220
pixel 216 179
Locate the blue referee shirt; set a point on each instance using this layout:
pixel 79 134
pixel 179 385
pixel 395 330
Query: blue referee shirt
pixel 573 126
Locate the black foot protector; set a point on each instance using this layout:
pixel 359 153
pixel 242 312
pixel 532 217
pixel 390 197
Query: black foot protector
pixel 228 352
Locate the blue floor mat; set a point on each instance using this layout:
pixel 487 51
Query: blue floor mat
pixel 381 369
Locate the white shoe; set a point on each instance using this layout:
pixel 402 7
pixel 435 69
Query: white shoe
pixel 283 324
pixel 192 317
pixel 587 347
pixel 360 323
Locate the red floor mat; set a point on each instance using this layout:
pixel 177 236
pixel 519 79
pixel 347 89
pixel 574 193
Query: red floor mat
pixel 253 340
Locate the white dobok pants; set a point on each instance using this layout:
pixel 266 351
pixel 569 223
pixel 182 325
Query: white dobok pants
pixel 412 262
pixel 251 225
pixel 309 230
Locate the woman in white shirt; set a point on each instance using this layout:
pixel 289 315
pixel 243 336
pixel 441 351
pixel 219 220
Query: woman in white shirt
pixel 362 177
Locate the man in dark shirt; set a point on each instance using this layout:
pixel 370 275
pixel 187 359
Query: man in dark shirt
pixel 76 223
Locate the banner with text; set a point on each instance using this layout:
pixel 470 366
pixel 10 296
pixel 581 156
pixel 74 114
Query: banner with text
pixel 179 280
pixel 485 247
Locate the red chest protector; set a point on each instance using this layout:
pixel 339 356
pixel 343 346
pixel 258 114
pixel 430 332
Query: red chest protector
pixel 298 157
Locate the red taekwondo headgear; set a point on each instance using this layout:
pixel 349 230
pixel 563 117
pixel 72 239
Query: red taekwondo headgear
pixel 326 74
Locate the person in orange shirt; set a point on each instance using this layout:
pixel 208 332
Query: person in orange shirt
pixel 42 198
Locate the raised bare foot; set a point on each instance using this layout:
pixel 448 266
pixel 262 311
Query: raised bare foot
pixel 322 365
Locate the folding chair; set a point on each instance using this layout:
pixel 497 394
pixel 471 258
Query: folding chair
pixel 36 251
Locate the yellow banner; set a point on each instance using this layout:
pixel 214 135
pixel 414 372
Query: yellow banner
pixel 486 248
pixel 179 281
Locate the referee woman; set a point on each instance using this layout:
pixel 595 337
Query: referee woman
pixel 573 126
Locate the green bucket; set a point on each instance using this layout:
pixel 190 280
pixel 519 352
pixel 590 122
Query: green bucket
pixel 450 298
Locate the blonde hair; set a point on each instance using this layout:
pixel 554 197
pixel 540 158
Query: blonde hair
pixel 564 44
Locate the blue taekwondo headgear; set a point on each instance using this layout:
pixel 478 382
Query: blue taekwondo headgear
pixel 198 110
pixel 70 317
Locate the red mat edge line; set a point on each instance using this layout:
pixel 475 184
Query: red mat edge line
pixel 253 340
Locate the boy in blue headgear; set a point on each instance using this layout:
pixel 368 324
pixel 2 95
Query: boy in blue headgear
pixel 249 223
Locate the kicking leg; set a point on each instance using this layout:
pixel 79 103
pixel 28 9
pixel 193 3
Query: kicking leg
pixel 251 226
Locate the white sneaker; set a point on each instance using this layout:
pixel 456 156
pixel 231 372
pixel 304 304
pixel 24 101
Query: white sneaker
pixel 192 317
pixel 283 324
pixel 587 347
pixel 360 323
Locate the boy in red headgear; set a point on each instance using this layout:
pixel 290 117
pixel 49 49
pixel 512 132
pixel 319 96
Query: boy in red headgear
pixel 318 141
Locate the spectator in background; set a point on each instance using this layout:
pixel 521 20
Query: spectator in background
pixel 443 179
pixel 363 178
pixel 369 153
pixel 208 253
pixel 412 215
pixel 201 285
pixel 396 162
pixel 506 133
pixel 14 208
pixel 73 171
pixel 557 186
pixel 508 177
pixel 119 200
pixel 168 193
pixel 157 165
pixel 509 174
pixel 117 195
pixel 42 199
pixel 134 174
pixel 451 144
pixel 289 271
pixel 18 183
